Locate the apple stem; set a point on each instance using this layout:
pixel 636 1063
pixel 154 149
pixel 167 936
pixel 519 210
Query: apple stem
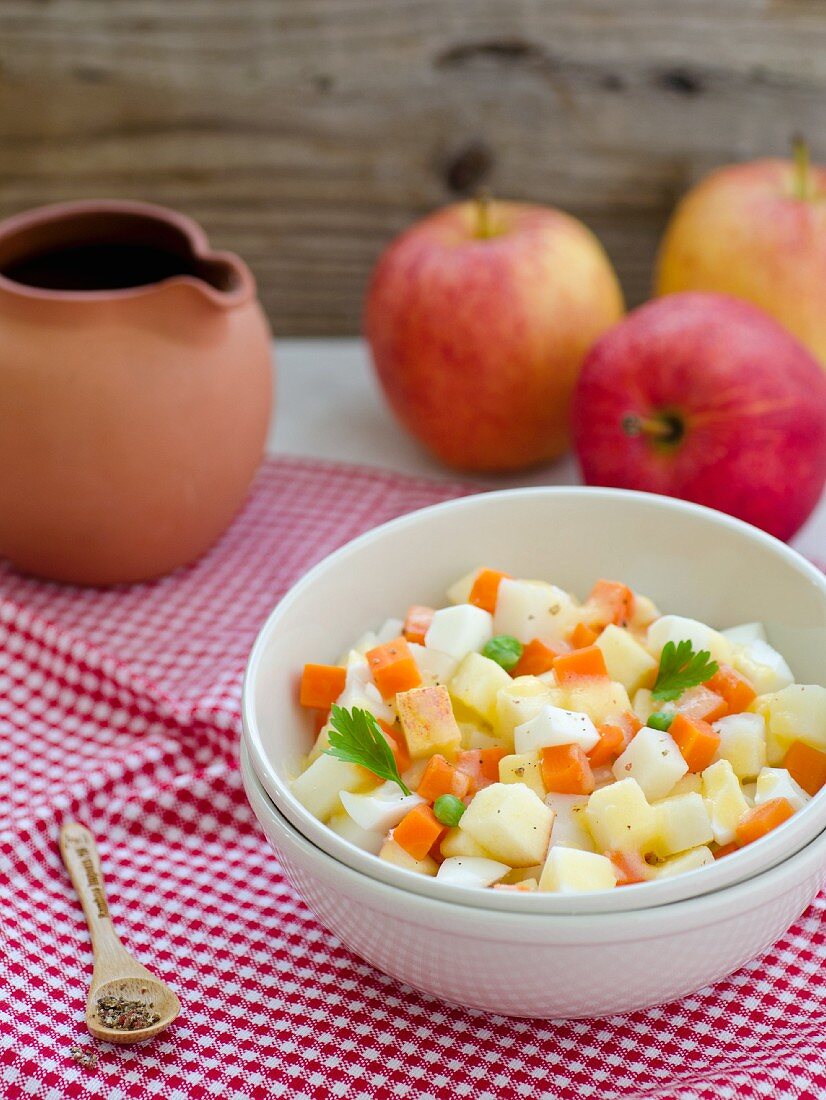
pixel 666 429
pixel 484 228
pixel 802 163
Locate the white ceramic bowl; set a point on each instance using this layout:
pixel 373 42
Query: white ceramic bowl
pixel 543 965
pixel 690 560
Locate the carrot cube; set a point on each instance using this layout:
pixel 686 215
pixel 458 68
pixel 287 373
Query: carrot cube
pixel 489 761
pixel 486 588
pixel 583 636
pixel 807 766
pixel 321 685
pixel 755 823
pixel 536 658
pixel 630 867
pixel 614 600
pixel 581 664
pixel 613 741
pixel 395 739
pixel 702 703
pixel 734 688
pixel 565 770
pixel 417 623
pixel 440 778
pixel 418 831
pixel 393 668
pixel 696 740
pixel 726 850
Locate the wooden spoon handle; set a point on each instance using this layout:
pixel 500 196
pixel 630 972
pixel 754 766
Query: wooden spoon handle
pixel 80 854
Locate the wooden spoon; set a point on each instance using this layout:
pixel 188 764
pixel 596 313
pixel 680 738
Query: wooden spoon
pixel 116 975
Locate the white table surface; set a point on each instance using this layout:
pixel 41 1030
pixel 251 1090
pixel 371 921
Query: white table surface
pixel 328 405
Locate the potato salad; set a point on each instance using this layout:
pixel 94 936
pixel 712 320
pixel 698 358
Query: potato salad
pixel 519 739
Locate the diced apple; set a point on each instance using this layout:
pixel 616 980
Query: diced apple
pixel 676 628
pixel 380 809
pixel 476 683
pixel 682 823
pixel 511 821
pixel 459 591
pixel 366 839
pixel 477 737
pixel 745 634
pixel 644 705
pixel 570 829
pixel 653 760
pixel 619 817
pixel 391 852
pixel 456 842
pixel 687 861
pixel 435 668
pixel 742 743
pixel 459 630
pixel 725 800
pixel 534 609
pixel 555 726
pixel 319 786
pixel 427 722
pixel 777 783
pixel 471 871
pixel 600 699
pixel 798 713
pixel 763 666
pixel 571 871
pixel 521 700
pixel 522 768
pixel 626 660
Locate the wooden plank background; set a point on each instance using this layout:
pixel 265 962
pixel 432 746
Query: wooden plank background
pixel 305 133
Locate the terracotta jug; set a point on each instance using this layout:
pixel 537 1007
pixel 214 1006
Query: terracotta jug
pixel 135 390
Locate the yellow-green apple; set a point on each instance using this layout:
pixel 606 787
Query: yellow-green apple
pixel 478 318
pixel 757 231
pixel 705 397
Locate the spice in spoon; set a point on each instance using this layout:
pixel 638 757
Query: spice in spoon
pixel 120 1014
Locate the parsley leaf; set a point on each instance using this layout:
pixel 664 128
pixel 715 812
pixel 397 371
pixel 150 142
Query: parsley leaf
pixel 681 668
pixel 356 738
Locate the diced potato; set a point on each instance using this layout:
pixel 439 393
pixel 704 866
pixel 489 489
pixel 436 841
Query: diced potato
pixel 742 743
pixel 798 713
pixel 322 743
pixel 318 788
pixel 476 683
pixel 555 726
pixel 643 613
pixel 571 871
pixel 687 861
pixel 777 783
pixel 691 783
pixel 380 809
pixel 653 760
pixel 644 705
pixel 745 634
pixel 676 628
pixel 459 591
pixel 471 871
pixel 522 874
pixel 749 791
pixel 366 839
pixel 427 722
pixel 534 609
pixel 455 842
pixel 393 853
pixel 520 700
pixel 511 821
pixel 459 630
pixel 412 776
pixel 619 817
pixel 626 660
pixel 389 631
pixel 682 823
pixel 570 828
pixel 475 737
pixel 725 800
pixel 522 768
pixel 435 668
pixel 599 699
pixel 762 666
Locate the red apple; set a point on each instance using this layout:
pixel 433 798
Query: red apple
pixel 705 397
pixel 478 318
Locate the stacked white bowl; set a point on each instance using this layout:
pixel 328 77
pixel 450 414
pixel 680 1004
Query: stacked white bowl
pixel 549 955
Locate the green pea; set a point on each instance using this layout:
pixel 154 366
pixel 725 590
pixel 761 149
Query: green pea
pixel 503 649
pixel 660 720
pixel 448 809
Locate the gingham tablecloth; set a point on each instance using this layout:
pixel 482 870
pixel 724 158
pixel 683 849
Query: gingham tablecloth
pixel 122 708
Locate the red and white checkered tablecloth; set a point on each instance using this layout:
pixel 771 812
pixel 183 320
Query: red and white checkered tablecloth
pixel 122 708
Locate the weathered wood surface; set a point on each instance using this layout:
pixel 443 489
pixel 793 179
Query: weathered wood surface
pixel 304 133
